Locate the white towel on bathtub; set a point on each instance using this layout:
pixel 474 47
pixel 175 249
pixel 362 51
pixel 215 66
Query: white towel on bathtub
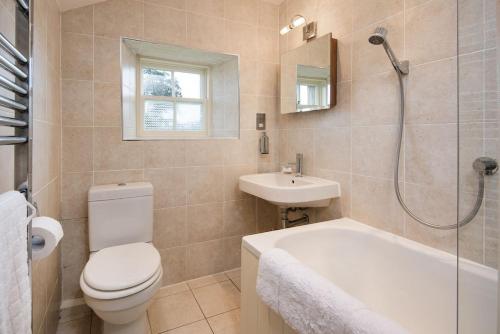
pixel 15 288
pixel 271 267
pixel 311 304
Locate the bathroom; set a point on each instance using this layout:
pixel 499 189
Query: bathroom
pixel 424 261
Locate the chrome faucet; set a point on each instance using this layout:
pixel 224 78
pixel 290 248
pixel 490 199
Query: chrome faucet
pixel 299 161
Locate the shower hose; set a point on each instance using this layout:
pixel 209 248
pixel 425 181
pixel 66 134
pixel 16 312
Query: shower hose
pixel 480 193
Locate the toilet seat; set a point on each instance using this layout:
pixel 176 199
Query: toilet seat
pixel 120 271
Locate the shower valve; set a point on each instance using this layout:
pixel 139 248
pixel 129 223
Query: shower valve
pixel 485 165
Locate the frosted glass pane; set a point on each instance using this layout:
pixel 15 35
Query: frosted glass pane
pixel 189 116
pixel 158 115
pixel 188 85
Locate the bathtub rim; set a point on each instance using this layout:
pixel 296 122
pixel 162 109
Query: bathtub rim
pixel 258 243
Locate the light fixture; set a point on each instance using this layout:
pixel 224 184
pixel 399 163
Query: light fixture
pixel 308 32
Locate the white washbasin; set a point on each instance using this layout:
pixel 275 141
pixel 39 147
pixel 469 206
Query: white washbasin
pixel 288 190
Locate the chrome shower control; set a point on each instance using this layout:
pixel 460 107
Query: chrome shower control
pixel 485 165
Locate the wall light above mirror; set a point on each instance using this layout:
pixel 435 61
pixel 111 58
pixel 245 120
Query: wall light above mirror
pixel 173 92
pixel 309 76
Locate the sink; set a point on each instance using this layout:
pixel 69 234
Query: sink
pixel 288 190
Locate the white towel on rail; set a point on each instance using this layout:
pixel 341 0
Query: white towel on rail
pixel 15 287
pixel 311 304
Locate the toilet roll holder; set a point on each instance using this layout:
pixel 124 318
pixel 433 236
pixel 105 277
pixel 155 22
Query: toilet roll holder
pixel 37 242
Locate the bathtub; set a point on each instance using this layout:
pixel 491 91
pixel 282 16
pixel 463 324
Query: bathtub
pixel 410 283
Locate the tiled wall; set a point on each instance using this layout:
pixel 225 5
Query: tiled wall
pixel 200 215
pixel 46 156
pixel 354 143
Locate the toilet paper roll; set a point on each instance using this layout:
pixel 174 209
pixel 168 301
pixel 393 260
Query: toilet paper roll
pixel 47 233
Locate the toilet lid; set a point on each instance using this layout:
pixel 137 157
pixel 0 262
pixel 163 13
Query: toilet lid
pixel 121 267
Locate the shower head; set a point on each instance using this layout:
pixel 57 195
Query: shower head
pixel 378 36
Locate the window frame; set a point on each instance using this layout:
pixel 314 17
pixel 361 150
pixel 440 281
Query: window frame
pixel 173 67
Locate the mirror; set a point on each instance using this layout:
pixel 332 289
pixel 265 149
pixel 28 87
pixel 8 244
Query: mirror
pixel 309 76
pixel 173 92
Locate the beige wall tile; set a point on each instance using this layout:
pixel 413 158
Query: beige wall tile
pixel 471 79
pixel 179 4
pixel 118 176
pixel 365 13
pixel 74 198
pixel 332 149
pixel 204 32
pixel 242 151
pixel 246 11
pixel 267 50
pixel 267 79
pixel 169 186
pixel 107 59
pixel 76 63
pixel 239 217
pixel 174 262
pixel 80 20
pixel 232 249
pixel 161 154
pixel 112 153
pixel 46 183
pixel 77 103
pixel 428 148
pixel 204 222
pixel 242 39
pixel 164 24
pixel 170 227
pixel 75 255
pixel 204 185
pixel 374 203
pixel 375 100
pixel 116 18
pixel 206 7
pixel 432 93
pixel 205 258
pixel 373 150
pixel 107 104
pixel 422 43
pixel 77 149
pixel 267 216
pixel 268 15
pixel 204 152
pixel 335 16
pixel 231 181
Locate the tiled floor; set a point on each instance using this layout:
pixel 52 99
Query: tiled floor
pixel 206 305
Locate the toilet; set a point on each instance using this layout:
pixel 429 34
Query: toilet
pixel 124 269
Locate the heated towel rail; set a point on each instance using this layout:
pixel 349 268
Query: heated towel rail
pixel 15 94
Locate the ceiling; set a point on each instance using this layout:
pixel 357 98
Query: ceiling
pixel 72 4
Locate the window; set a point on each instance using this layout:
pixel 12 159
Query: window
pixel 173 99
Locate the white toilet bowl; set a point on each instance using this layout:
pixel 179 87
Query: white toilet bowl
pixel 119 283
